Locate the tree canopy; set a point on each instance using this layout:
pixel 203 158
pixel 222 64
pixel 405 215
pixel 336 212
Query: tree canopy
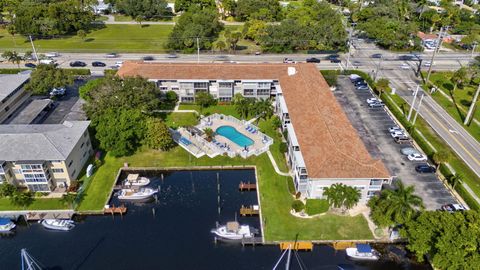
pixel 342 196
pixel 157 135
pixel 183 5
pixel 451 240
pixel 265 10
pixel 195 23
pixel 46 77
pixel 147 9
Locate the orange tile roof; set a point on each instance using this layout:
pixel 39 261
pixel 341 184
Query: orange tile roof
pixel 330 146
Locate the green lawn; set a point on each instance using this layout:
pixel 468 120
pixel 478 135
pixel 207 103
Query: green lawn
pixel 38 204
pixel 316 206
pixel 275 198
pixel 462 96
pixel 222 109
pixel 122 18
pixel 175 120
pixel 111 38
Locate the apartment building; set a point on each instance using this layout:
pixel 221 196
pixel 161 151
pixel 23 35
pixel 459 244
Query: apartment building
pixel 323 146
pixel 44 157
pixel 12 94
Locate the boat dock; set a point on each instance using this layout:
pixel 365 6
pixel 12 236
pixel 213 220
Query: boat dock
pixel 252 210
pixel 252 241
pixel 247 186
pixel 34 216
pixel 115 210
pixel 342 245
pixel 303 246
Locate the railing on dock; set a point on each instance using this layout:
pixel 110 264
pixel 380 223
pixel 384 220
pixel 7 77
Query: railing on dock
pixel 252 210
pixel 247 186
pixel 303 246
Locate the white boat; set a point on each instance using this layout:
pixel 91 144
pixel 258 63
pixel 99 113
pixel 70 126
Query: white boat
pixel 58 224
pixel 136 180
pixel 135 195
pixel 363 252
pixel 6 225
pixel 234 231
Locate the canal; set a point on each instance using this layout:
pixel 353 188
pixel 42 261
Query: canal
pixel 170 233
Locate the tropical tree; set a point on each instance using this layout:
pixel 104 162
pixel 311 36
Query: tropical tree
pixel 456 179
pixel 23 199
pixel 263 109
pixel 459 77
pixel 204 99
pixel 342 196
pixel 220 45
pixel 441 157
pixel 7 190
pixel 243 107
pixel 382 86
pixel 209 133
pixel 232 39
pixel 45 77
pixel 237 98
pixel 139 19
pixel 395 206
pixel 12 56
pixel 69 199
pixel 82 34
pixel 157 135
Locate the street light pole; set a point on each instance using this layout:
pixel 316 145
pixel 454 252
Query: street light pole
pixel 198 51
pixel 437 48
pixel 473 49
pixel 418 109
pixel 413 102
pixel 472 106
pixel 378 68
pixel 349 44
pixel 33 47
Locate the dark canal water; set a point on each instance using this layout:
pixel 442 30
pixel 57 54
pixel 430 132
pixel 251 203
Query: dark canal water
pixel 176 237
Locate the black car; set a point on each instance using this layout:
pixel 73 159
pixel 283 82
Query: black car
pixel 335 60
pixel 148 58
pixel 333 56
pixel 360 82
pixel 377 55
pixel 98 64
pixel 30 65
pixel 78 64
pixel 405 57
pixel 313 60
pixel 425 168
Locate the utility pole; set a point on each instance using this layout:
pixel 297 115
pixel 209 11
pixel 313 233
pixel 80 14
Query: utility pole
pixel 349 44
pixel 437 48
pixel 474 47
pixel 198 51
pixel 418 110
pixel 33 46
pixel 413 102
pixel 472 106
pixel 378 68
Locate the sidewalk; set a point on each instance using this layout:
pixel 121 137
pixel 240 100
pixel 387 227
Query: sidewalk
pixel 274 163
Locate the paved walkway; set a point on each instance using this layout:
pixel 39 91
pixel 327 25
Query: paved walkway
pixel 274 163
pixel 111 20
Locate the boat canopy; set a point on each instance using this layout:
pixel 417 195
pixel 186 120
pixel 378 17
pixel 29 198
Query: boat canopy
pixel 132 177
pixel 4 221
pixel 232 226
pixel 364 248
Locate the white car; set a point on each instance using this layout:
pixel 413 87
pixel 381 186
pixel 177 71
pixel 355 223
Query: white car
pixel 394 128
pixel 405 66
pixel 60 91
pixel 373 100
pixel 416 157
pixel 119 64
pixel 398 133
pixel 52 54
pixel 427 63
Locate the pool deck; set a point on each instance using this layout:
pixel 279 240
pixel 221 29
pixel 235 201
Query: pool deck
pixel 256 138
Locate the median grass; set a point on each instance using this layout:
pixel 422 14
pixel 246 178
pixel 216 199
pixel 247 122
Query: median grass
pixel 110 38
pixel 275 198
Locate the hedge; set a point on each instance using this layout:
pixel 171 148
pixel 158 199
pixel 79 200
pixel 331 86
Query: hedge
pixel 11 70
pixel 77 71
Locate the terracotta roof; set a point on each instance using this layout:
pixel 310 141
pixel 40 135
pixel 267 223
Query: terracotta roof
pixel 330 146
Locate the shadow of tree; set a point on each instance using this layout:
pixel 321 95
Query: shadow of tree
pixel 460 113
pixel 145 25
pixel 465 102
pixel 89 40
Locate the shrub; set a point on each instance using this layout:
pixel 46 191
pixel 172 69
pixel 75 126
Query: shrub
pixel 330 76
pixel 298 205
pixel 283 147
pixel 291 185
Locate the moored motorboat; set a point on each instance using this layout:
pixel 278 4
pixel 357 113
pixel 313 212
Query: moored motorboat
pixel 6 225
pixel 363 252
pixel 128 194
pixel 136 180
pixel 58 224
pixel 234 231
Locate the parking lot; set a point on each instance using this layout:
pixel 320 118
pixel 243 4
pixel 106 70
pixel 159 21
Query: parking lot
pixel 372 125
pixel 66 106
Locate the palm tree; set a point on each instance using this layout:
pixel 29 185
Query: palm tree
pixel 263 109
pixel 220 45
pixel 456 179
pixel 441 157
pixel 458 77
pixel 401 202
pixel 209 133
pixel 243 107
pixel 12 56
pixel 334 195
pixel 69 199
pixel 382 86
pixel 352 196
pixel 23 199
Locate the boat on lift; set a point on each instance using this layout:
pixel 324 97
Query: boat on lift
pixel 234 231
pixel 6 225
pixel 58 224
pixel 136 180
pixel 128 194
pixel 363 252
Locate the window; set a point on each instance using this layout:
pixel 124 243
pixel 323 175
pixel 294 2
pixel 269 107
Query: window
pixel 163 88
pixel 85 134
pixel 225 84
pixel 73 173
pixel 81 146
pixel 70 164
pixel 263 92
pixel 7 108
pixel 200 85
pixel 376 182
pixel 248 92
pixel 59 170
pixel 84 153
pixel 88 143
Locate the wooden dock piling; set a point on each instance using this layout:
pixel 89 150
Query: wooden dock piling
pixel 252 210
pixel 247 186
pixel 115 210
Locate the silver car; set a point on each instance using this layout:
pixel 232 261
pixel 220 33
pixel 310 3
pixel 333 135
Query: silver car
pixel 409 150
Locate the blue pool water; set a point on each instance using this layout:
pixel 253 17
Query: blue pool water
pixel 233 135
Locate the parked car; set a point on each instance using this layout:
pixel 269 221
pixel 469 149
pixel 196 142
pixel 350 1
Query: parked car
pixel 402 140
pixel 397 133
pixel 258 53
pixel 313 60
pixel 98 64
pixel 405 66
pixel 60 91
pixel 360 82
pixel 112 55
pixel 416 157
pixel 77 64
pixel 376 105
pixel 148 58
pixel 453 207
pixel 288 61
pixel 394 128
pixel 30 65
pixel 373 100
pixel 408 151
pixel 356 63
pixel 355 77
pixel 425 168
pixel 362 87
pixel 377 55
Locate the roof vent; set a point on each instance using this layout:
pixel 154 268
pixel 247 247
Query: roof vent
pixel 291 71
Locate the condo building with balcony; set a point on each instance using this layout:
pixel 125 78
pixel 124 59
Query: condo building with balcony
pixel 12 93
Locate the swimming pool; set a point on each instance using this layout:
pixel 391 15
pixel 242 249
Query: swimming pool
pixel 233 135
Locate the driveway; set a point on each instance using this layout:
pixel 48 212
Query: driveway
pixel 64 105
pixel 372 125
